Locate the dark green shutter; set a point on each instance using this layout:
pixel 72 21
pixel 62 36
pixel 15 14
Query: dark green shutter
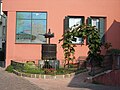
pixel 66 23
pixel 82 40
pixel 102 29
pixel 82 18
pixel 89 22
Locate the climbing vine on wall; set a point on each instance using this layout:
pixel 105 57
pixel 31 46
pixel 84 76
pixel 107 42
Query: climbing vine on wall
pixel 91 33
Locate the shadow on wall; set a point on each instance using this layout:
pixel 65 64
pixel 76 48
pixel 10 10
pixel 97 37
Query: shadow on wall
pixel 113 34
pixel 79 83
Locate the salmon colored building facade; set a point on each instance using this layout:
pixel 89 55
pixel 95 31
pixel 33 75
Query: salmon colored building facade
pixel 54 13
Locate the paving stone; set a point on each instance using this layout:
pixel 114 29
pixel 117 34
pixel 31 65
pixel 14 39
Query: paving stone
pixel 73 83
pixel 10 81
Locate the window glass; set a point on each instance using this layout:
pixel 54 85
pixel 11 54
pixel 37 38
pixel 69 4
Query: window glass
pixel 39 26
pixel 38 15
pixel 95 22
pixel 30 30
pixel 74 20
pixel 99 22
pixel 38 29
pixel 23 15
pixel 23 26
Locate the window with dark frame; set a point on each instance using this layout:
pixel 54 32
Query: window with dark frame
pixel 30 27
pixel 100 23
pixel 71 21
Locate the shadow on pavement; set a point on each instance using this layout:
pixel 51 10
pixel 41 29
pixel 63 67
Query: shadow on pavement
pixel 79 82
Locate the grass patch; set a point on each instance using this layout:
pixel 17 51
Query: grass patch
pixel 9 68
pixel 33 71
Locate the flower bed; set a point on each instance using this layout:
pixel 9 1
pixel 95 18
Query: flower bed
pixel 31 70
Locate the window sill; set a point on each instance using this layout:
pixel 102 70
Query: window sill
pixel 30 43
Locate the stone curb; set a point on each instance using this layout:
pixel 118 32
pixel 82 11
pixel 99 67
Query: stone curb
pixel 43 76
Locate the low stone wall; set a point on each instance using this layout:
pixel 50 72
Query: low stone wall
pixel 43 76
pixel 17 65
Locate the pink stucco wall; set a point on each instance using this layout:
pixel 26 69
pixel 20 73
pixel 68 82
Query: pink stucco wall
pixel 57 10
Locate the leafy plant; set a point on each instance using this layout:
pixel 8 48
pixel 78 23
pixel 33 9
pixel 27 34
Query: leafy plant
pixel 113 51
pixel 30 68
pixel 83 31
pixel 107 45
pixel 17 65
pixel 50 71
pixel 33 71
pixel 9 68
pixel 29 65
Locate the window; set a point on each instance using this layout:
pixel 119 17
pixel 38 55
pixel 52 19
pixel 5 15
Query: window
pixel 71 21
pixel 99 22
pixel 30 27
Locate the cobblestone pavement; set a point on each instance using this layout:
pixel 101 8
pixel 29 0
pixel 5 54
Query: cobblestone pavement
pixel 9 81
pixel 74 83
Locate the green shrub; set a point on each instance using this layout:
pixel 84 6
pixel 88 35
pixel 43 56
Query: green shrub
pixel 9 68
pixel 33 71
pixel 113 51
pixel 17 65
pixel 29 65
pixel 50 71
pixel 61 71
pixel 31 68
